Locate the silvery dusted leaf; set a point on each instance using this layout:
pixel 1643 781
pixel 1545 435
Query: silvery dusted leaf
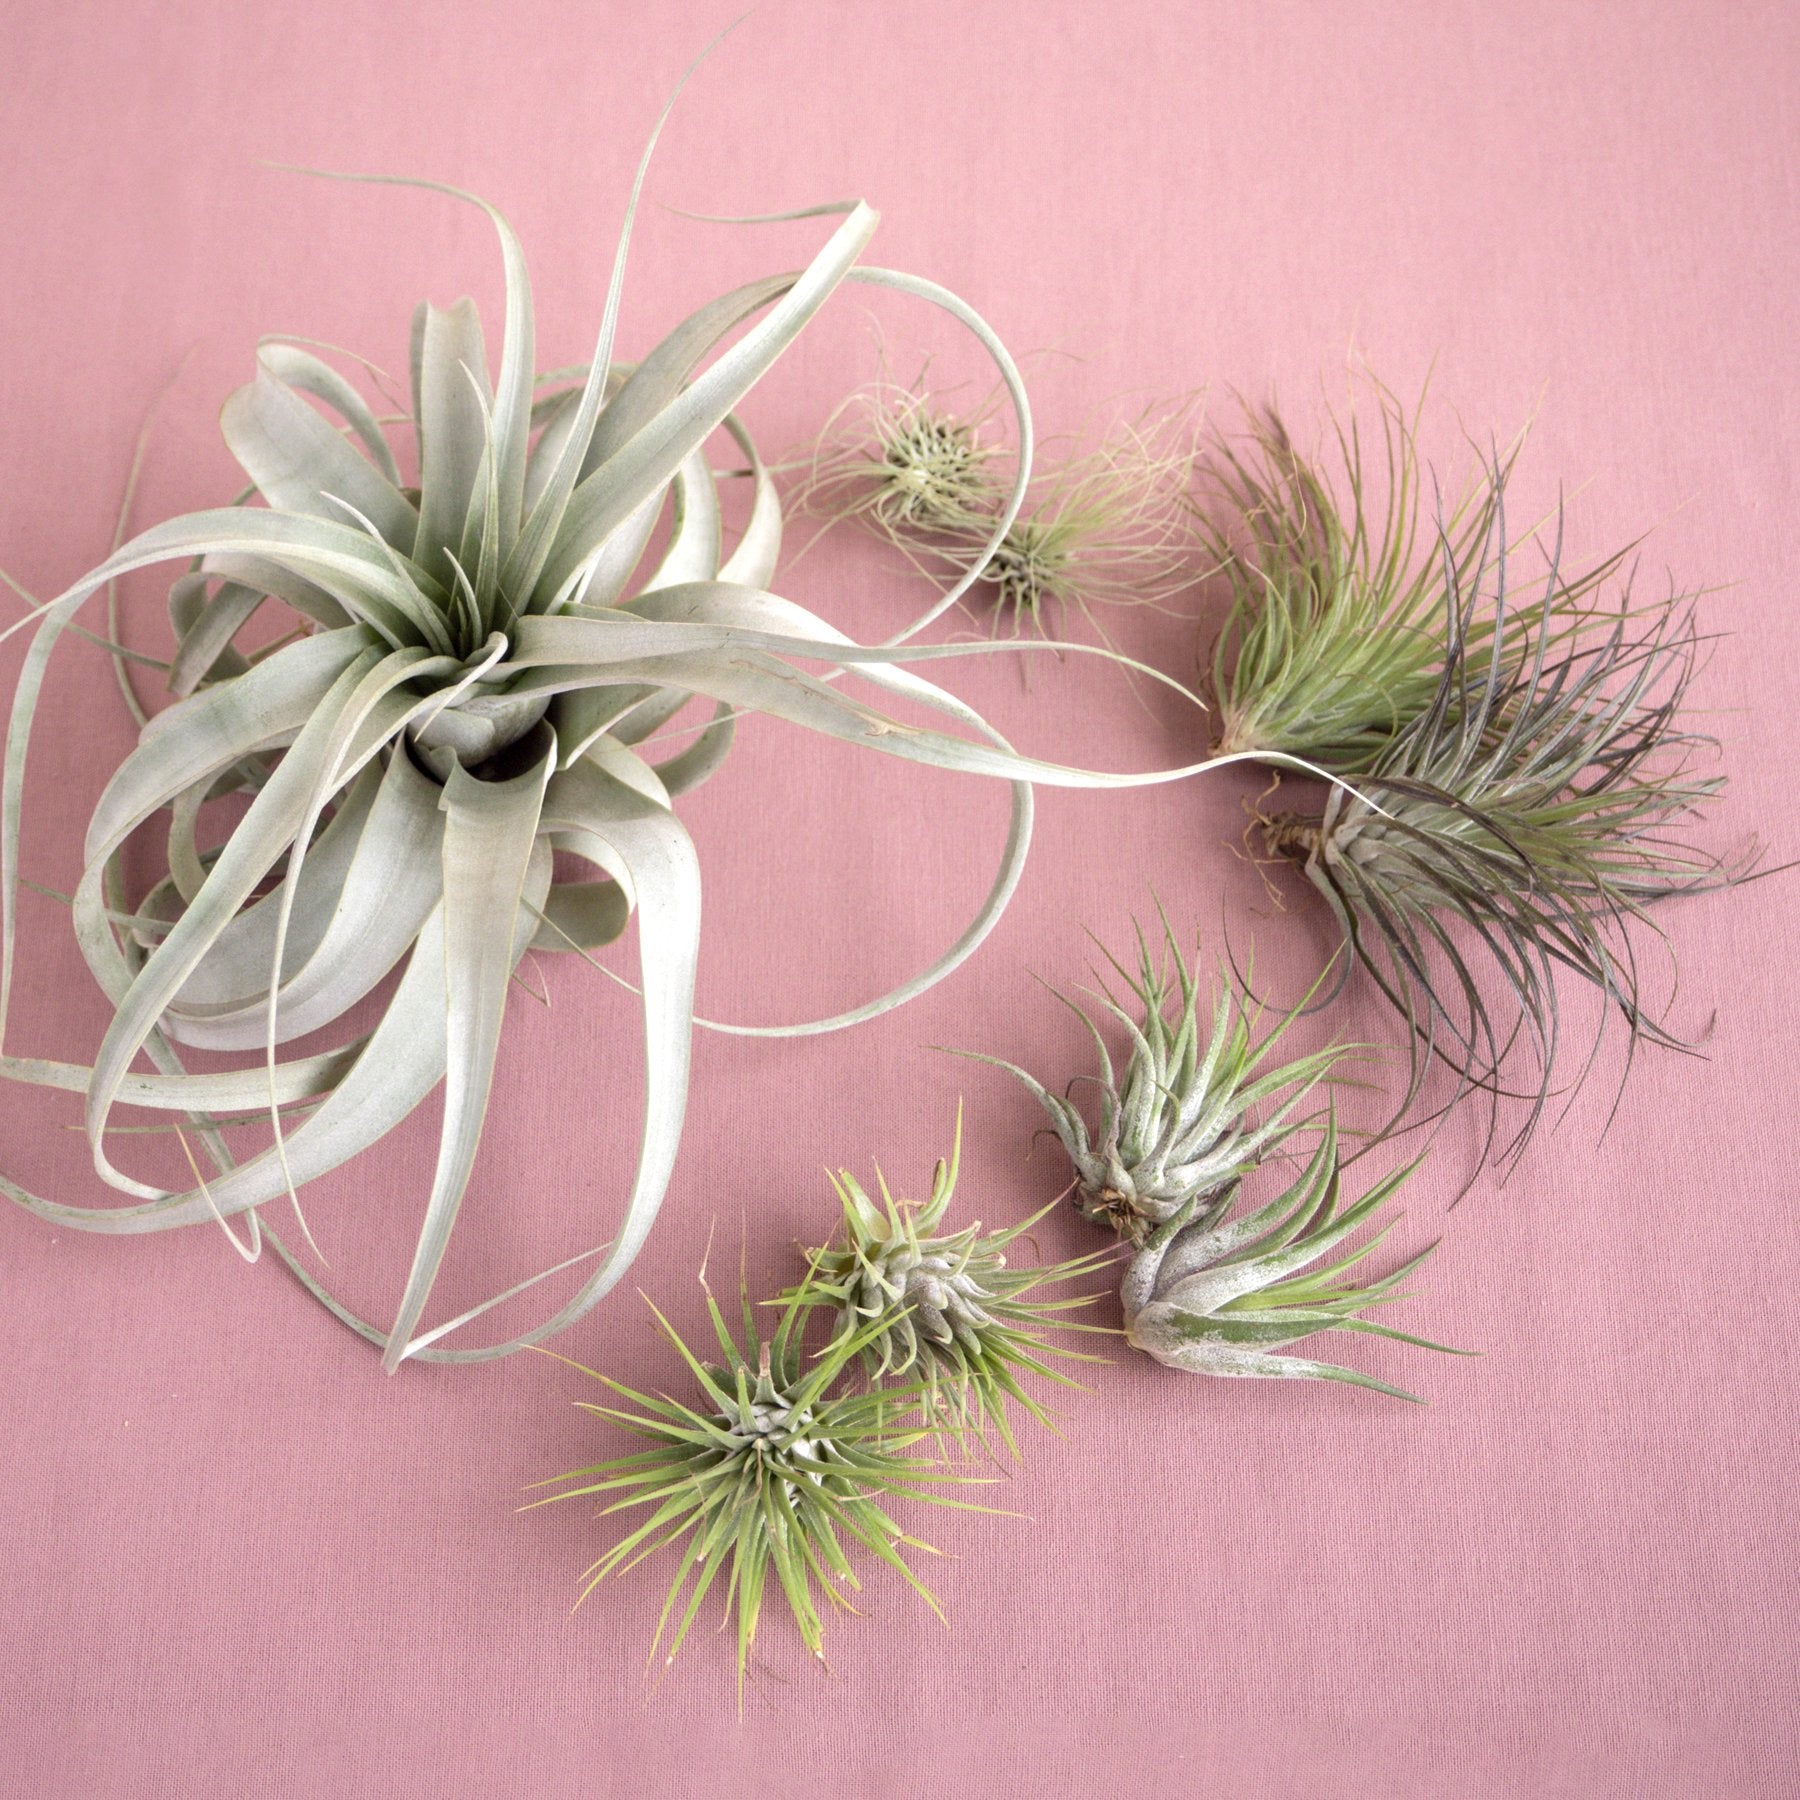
pixel 951 1312
pixel 479 664
pixel 765 1469
pixel 1216 1290
pixel 1199 1104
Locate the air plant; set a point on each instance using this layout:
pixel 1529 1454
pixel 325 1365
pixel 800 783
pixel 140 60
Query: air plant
pixel 944 1311
pixel 479 668
pixel 1335 641
pixel 1519 826
pixel 766 1472
pixel 1199 1104
pixel 897 458
pixel 1104 526
pixel 1217 1291
pixel 1099 528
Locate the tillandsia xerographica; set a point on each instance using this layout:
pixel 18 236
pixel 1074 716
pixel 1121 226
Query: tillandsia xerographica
pixel 947 1312
pixel 1198 1106
pixel 1216 1291
pixel 479 665
pixel 780 1465
pixel 1518 827
pixel 1336 637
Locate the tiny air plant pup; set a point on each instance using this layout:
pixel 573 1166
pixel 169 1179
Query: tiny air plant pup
pixel 1104 526
pixel 1215 1291
pixel 1518 828
pixel 1199 1104
pixel 778 1465
pixel 1335 641
pixel 945 1313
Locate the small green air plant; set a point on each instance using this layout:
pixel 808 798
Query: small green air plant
pixel 1198 1107
pixel 1217 1294
pixel 946 1313
pixel 448 762
pixel 1336 641
pixel 1521 826
pixel 767 1471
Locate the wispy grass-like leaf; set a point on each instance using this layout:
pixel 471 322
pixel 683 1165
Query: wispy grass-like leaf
pixel 1336 637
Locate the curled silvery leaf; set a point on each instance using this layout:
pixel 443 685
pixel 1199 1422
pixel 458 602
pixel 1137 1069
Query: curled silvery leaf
pixel 1184 1119
pixel 1218 1294
pixel 480 670
pixel 947 1311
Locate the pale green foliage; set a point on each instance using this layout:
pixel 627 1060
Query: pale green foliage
pixel 1215 1291
pixel 480 669
pixel 947 1311
pixel 767 1473
pixel 1199 1104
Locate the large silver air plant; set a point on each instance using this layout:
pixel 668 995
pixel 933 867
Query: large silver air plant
pixel 479 665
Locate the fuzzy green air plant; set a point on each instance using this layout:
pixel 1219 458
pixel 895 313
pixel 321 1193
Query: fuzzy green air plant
pixel 1200 1102
pixel 484 655
pixel 1336 637
pixel 767 1472
pixel 947 1312
pixel 1219 1291
pixel 1517 830
pixel 1104 526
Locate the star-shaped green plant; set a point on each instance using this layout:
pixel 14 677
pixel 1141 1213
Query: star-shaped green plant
pixel 767 1473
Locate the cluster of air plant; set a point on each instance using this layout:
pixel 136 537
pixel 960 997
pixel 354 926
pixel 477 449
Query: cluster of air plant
pixel 786 1460
pixel 1516 829
pixel 1201 1109
pixel 480 669
pixel 1216 1291
pixel 1101 526
pixel 1511 770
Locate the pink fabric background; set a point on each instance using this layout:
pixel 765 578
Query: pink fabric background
pixel 239 1561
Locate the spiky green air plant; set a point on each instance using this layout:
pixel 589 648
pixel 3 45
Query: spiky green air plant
pixel 1218 1294
pixel 1336 636
pixel 1198 1106
pixel 945 1311
pixel 480 668
pixel 768 1471
pixel 1518 828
